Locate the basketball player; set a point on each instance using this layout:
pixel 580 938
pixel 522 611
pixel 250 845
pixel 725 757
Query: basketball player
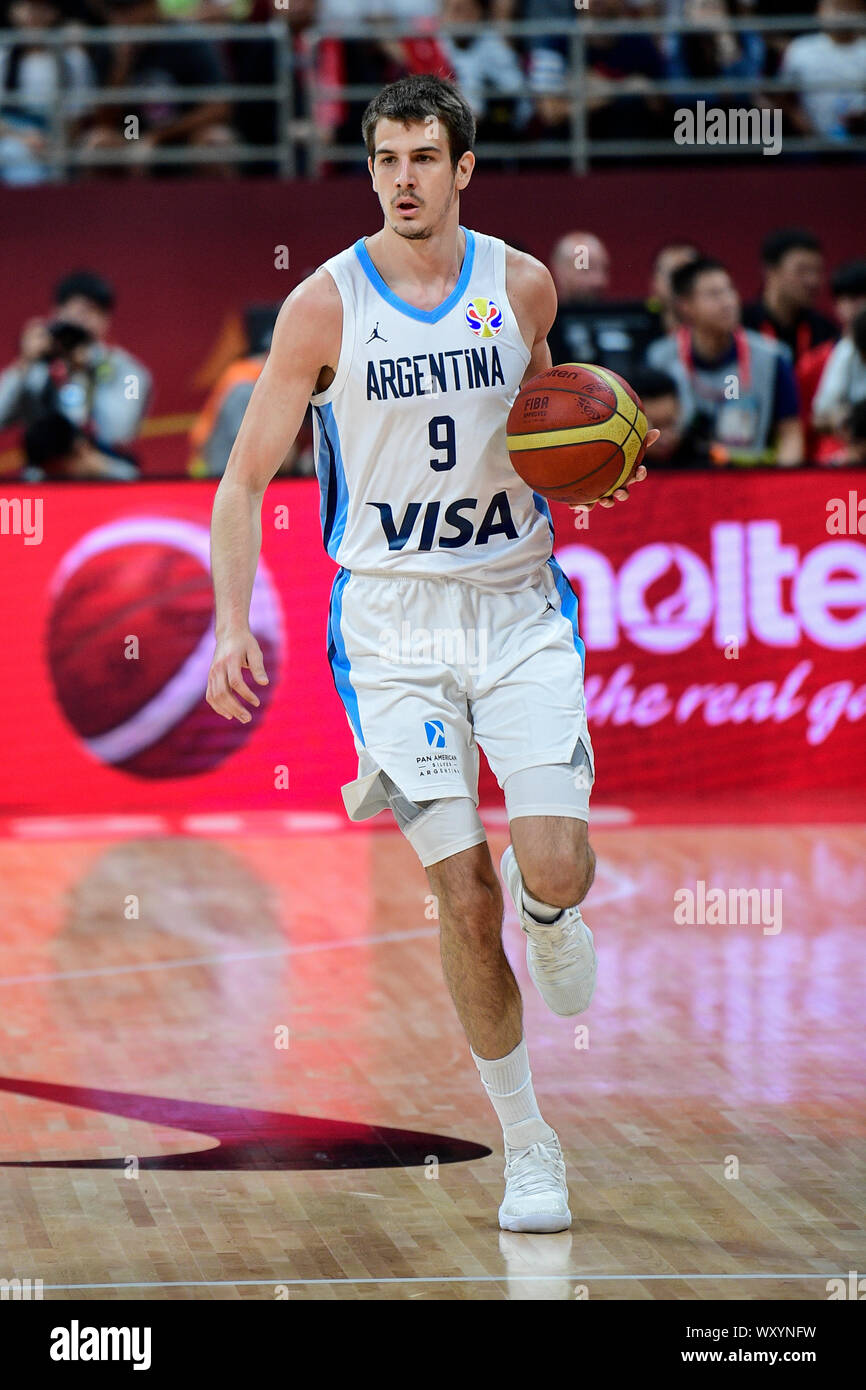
pixel 412 345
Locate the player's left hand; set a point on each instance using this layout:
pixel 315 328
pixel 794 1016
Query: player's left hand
pixel 621 494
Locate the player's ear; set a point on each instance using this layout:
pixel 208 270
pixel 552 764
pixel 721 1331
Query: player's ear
pixel 370 167
pixel 465 165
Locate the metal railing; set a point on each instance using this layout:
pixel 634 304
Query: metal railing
pixel 299 136
pixel 63 156
pixel 578 149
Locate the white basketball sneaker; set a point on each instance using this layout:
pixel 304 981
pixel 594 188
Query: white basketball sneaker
pixel 536 1195
pixel 560 955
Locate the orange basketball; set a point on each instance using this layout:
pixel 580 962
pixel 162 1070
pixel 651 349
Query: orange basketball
pixel 576 432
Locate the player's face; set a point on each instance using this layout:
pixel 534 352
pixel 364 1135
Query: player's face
pixel 714 304
pixel 412 174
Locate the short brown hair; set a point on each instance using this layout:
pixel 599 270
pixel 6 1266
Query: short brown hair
pixel 418 98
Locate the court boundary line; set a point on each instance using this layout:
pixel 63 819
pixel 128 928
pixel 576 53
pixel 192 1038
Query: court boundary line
pixel 621 887
pixel 222 957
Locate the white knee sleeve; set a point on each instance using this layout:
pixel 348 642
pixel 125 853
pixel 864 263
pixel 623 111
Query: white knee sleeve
pixel 554 789
pixel 436 829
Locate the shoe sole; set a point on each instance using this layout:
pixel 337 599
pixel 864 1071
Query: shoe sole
pixel 535 1225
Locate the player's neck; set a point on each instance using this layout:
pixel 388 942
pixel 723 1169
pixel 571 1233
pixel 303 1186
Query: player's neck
pixel 711 343
pixel 420 268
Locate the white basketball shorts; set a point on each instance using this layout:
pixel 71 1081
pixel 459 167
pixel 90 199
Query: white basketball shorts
pixel 428 669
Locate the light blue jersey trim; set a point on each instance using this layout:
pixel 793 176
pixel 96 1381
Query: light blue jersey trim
pixel 331 473
pixel 340 666
pixel 541 506
pixel 422 315
pixel 568 605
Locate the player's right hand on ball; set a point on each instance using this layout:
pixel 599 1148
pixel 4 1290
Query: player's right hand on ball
pixel 234 653
pixel 621 494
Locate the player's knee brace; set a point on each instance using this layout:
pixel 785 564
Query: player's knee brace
pixel 435 829
pixel 554 789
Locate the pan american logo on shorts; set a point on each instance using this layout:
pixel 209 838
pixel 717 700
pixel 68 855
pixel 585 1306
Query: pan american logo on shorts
pixel 435 731
pixel 484 317
pixel 433 764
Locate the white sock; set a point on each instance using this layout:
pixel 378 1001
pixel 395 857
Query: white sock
pixel 508 1083
pixel 542 912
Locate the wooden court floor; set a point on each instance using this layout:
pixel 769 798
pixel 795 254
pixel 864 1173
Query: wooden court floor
pixel 230 1070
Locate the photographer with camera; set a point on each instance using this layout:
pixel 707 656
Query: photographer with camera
pixel 81 401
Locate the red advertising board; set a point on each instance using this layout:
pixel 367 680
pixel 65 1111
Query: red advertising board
pixel 725 624
pixel 724 617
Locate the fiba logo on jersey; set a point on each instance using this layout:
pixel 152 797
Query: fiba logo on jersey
pixel 484 317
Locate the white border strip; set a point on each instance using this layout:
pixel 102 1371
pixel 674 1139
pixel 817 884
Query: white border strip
pixel 431 1279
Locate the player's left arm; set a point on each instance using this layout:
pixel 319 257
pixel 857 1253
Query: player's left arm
pixel 532 296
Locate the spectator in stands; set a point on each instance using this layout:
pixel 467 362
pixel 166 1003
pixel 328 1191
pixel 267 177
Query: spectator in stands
pixel 76 396
pixel 629 60
pixel 486 68
pixel 548 76
pixel 176 64
pixel 777 40
pixel 843 381
pixel 375 59
pixel 551 102
pixel 215 430
pixel 364 11
pixel 633 62
pixel 255 63
pixel 56 450
pixel 848 288
pixel 558 15
pixel 218 11
pixel 417 52
pixel 793 279
pixel 683 443
pixel 854 437
pixel 739 380
pixel 33 78
pixel 661 302
pixel 848 445
pixel 719 52
pixel 828 72
pixel 580 266
pixel 589 327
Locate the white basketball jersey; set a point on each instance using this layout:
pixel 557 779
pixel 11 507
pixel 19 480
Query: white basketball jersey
pixel 413 471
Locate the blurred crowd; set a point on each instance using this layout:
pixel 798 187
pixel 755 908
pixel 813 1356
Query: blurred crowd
pixel 770 382
pixel 518 88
